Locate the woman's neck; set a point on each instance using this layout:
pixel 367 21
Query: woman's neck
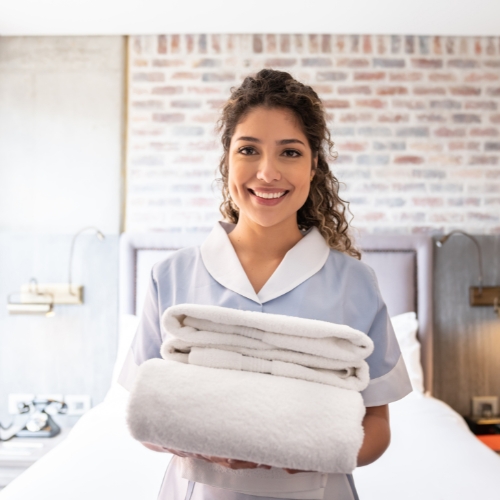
pixel 262 242
pixel 260 249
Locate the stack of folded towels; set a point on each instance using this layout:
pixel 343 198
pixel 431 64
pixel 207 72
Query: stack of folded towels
pixel 265 388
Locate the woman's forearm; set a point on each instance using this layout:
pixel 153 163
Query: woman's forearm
pixel 377 434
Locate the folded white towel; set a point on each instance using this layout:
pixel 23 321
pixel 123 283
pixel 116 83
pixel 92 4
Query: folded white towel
pixel 173 345
pixel 278 421
pixel 344 374
pixel 263 402
pixel 286 346
pixel 212 325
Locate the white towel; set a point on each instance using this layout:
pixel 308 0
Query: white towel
pixel 173 345
pixel 213 325
pixel 246 387
pixel 312 350
pixel 343 374
pixel 278 421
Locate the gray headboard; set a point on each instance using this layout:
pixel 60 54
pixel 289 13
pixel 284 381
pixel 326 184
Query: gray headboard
pixel 403 265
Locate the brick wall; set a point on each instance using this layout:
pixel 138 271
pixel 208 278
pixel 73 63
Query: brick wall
pixel 416 123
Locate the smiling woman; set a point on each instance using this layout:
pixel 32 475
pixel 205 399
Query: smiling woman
pixel 284 249
pixel 272 116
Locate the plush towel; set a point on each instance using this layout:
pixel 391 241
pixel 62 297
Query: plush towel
pixel 347 375
pixel 212 325
pixel 273 420
pixel 271 389
pixel 286 346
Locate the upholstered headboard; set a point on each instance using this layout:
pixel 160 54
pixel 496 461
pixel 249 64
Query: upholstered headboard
pixel 403 265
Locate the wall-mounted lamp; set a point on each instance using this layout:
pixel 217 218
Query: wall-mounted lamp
pixel 478 295
pixel 40 298
pixel 33 302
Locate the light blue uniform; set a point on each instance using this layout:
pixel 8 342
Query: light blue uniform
pixel 313 281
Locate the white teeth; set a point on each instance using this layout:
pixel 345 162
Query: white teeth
pixel 269 195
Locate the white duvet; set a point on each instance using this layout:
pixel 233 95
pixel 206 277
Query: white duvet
pixel 432 456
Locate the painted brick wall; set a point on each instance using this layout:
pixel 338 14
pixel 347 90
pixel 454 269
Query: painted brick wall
pixel 416 123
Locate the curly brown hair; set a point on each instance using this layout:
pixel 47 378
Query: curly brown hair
pixel 277 89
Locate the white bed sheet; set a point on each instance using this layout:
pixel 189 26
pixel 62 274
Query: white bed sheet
pixel 432 456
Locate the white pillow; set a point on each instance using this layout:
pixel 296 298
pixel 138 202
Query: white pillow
pixel 406 327
pixel 127 327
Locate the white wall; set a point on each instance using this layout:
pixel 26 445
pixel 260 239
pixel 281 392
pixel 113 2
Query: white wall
pixel 60 133
pixel 415 120
pixel 61 142
pixel 143 17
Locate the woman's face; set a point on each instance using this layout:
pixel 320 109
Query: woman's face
pixel 270 166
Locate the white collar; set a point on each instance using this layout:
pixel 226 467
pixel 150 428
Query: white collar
pixel 301 262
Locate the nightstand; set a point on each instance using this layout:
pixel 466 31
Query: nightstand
pixel 487 430
pixel 17 454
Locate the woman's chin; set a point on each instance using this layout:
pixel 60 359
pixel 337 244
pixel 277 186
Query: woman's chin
pixel 268 220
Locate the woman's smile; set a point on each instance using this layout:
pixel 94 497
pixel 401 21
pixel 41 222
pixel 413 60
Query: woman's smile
pixel 268 197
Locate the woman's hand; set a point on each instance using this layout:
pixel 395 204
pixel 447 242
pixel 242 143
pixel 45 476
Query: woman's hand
pixel 233 463
pixel 224 462
pixel 295 471
pixel 163 449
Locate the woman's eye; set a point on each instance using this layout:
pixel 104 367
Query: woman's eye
pixel 247 150
pixel 291 153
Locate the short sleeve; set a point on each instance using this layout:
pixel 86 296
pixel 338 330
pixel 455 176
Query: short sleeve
pixel 389 380
pixel 147 340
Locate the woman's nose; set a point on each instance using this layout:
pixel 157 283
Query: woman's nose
pixel 267 171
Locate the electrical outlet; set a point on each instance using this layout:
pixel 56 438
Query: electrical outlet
pixel 78 404
pixel 485 406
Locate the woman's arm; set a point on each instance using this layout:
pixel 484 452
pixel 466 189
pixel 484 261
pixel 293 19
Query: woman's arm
pixel 377 434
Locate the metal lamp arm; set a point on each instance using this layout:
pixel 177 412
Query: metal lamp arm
pixel 443 240
pixel 99 234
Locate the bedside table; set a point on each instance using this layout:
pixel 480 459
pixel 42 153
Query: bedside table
pixel 487 430
pixel 17 454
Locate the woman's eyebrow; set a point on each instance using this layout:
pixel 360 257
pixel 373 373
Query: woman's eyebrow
pixel 288 141
pixel 282 142
pixel 249 139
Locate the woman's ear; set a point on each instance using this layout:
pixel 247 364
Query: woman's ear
pixel 314 166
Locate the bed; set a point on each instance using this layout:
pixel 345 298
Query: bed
pixel 432 455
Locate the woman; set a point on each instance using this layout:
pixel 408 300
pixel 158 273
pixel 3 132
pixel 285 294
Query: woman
pixel 284 248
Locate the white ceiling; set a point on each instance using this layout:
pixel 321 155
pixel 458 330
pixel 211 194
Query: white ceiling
pixel 119 17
